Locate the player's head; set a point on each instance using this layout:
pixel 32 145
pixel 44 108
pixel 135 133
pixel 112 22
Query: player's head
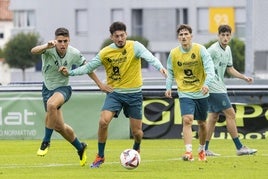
pixel 184 27
pixel 184 33
pixel 224 28
pixel 62 32
pixel 63 38
pixel 224 34
pixel 118 34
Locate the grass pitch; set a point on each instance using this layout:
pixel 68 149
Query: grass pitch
pixel 159 159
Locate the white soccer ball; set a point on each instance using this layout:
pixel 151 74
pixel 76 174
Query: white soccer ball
pixel 130 159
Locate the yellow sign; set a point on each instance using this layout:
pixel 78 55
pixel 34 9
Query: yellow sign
pixel 219 16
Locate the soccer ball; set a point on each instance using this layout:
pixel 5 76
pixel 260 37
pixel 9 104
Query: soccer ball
pixel 130 159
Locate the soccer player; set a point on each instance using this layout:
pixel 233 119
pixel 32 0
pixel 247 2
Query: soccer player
pixel 192 68
pixel 56 89
pixel 122 63
pixel 218 100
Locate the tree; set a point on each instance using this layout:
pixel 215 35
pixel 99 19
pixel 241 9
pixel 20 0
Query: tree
pixel 238 53
pixel 17 51
pixel 140 39
pixel 1 53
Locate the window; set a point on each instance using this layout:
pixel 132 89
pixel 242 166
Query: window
pixel 240 22
pixel 182 16
pixel 137 22
pixel 24 18
pixel 117 15
pixel 202 20
pixel 158 24
pixel 261 61
pixel 81 22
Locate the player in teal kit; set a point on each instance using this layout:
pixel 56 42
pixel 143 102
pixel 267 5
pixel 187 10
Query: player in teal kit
pixel 122 63
pixel 218 99
pixel 56 89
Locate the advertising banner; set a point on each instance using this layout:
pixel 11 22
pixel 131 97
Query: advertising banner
pixel 22 116
pixel 162 117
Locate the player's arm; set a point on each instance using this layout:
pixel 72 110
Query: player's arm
pixel 144 53
pixel 41 48
pixel 208 66
pixel 169 79
pixel 103 87
pixel 233 72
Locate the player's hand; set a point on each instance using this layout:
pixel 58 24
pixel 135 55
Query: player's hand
pixel 163 71
pixel 105 88
pixel 168 93
pixel 248 79
pixel 51 44
pixel 205 90
pixel 64 70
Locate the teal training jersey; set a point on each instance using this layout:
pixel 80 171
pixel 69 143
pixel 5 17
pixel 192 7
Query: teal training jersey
pixel 221 59
pixel 51 61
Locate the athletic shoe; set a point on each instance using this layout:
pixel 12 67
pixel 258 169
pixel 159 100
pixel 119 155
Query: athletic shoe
pixel 202 156
pixel 210 153
pixel 82 154
pixel 245 151
pixel 188 156
pixel 97 162
pixel 42 151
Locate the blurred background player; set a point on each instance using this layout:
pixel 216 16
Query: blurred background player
pixel 192 68
pixel 218 99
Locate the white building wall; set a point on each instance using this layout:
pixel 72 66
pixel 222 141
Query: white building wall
pixel 51 14
pixel 261 25
pixel 5 28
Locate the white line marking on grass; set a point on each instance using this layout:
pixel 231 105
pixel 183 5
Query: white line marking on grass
pixel 36 166
pixel 20 98
pixel 10 166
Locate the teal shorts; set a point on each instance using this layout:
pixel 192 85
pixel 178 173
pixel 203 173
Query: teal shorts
pixel 218 102
pixel 66 91
pixel 131 103
pixel 196 107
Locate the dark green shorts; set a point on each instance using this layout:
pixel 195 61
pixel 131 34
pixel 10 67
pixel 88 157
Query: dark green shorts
pixel 66 91
pixel 131 103
pixel 196 107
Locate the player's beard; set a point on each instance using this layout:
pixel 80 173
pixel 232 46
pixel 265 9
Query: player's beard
pixel 121 44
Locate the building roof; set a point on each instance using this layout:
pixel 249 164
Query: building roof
pixel 5 13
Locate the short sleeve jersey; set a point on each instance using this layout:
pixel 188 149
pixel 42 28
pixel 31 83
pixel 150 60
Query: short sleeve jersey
pixel 51 61
pixel 222 58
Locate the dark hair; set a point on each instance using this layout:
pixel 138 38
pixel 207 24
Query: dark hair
pixel 224 28
pixel 184 26
pixel 62 31
pixel 117 26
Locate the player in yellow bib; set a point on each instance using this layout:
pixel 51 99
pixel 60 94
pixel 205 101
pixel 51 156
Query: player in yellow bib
pixel 122 63
pixel 192 68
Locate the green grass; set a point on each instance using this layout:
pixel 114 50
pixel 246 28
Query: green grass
pixel 159 159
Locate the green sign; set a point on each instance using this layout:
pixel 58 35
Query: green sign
pixel 22 116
